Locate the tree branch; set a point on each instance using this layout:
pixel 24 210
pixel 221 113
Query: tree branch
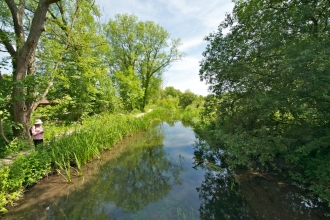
pixel 6 42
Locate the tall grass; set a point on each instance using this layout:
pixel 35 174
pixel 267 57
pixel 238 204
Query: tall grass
pixel 72 150
pixel 97 133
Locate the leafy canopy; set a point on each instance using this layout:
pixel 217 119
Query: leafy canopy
pixel 271 76
pixel 140 48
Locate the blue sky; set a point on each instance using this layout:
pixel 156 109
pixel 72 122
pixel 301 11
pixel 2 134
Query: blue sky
pixel 189 20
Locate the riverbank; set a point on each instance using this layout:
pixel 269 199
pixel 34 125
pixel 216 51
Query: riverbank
pixel 70 150
pixel 9 159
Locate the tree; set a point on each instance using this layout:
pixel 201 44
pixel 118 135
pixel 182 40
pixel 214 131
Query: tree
pixel 4 102
pixel 81 85
pixel 129 88
pixel 140 48
pixel 187 98
pixel 66 57
pixel 171 91
pixel 20 36
pixel 271 73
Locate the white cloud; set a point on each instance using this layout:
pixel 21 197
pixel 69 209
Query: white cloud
pixel 192 43
pixel 183 75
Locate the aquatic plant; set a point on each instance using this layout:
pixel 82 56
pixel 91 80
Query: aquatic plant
pixel 62 163
pixel 182 214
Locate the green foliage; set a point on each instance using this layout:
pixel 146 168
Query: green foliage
pixel 76 67
pixel 5 100
pixel 5 91
pixel 169 103
pixel 191 114
pixel 25 171
pixel 270 76
pixel 187 98
pixel 138 49
pixel 4 173
pixel 171 91
pixel 15 146
pixel 128 86
pixel 210 107
pixel 135 111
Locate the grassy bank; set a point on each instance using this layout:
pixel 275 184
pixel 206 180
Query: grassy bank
pixel 72 150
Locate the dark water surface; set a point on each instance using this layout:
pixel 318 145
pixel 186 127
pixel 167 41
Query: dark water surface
pixel 152 176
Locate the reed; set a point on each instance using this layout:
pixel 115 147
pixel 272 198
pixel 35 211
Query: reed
pixel 78 164
pixel 64 165
pixel 188 214
pixel 87 141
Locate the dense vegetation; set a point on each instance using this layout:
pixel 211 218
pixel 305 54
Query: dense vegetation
pixel 270 76
pixel 78 63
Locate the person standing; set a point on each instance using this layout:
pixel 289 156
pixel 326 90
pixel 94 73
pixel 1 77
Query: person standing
pixel 37 133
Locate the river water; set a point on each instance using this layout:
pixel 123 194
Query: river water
pixel 157 175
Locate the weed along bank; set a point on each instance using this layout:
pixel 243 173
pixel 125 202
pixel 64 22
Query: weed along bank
pixel 67 154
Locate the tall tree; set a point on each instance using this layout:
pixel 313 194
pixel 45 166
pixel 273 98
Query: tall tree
pixel 74 42
pixel 187 98
pixel 141 48
pixel 171 91
pixel 20 36
pixel 67 57
pixel 271 72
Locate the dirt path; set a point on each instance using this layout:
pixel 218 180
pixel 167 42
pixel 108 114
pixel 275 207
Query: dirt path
pixel 9 159
pixel 141 114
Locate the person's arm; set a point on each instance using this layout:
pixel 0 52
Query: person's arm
pixel 36 131
pixel 33 130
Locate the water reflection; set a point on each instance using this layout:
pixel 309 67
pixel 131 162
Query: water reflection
pixel 145 174
pixel 139 176
pixel 220 200
pixel 244 194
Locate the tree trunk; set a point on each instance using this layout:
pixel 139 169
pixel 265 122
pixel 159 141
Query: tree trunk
pixel 146 84
pixel 24 56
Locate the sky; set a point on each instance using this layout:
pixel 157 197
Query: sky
pixel 189 20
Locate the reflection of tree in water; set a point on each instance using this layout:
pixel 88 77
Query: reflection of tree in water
pixel 220 200
pixel 139 176
pixel 143 176
pixel 205 157
pixel 218 194
pixel 255 195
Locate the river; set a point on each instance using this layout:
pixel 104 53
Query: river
pixel 156 175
